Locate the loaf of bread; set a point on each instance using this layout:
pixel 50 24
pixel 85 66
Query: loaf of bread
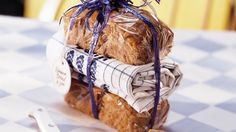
pixel 113 110
pixel 126 38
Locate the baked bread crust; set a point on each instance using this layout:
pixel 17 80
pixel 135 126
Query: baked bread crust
pixel 113 110
pixel 126 38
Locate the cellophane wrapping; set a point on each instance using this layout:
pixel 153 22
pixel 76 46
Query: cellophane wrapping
pixel 127 39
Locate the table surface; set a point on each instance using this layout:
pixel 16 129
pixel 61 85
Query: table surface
pixel 205 102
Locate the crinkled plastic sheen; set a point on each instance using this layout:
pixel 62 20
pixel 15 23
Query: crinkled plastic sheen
pixel 113 110
pixel 126 38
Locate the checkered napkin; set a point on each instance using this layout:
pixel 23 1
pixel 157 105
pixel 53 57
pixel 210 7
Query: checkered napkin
pixel 136 84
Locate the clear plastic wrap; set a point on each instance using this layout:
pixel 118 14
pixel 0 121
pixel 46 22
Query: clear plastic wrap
pixel 125 38
pixel 113 110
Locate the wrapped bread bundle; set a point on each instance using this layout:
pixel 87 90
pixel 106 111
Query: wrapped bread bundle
pixel 113 110
pixel 129 77
pixel 125 38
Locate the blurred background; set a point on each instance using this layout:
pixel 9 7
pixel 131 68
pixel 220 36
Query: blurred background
pixel 180 14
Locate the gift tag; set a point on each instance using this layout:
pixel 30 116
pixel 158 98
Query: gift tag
pixel 62 76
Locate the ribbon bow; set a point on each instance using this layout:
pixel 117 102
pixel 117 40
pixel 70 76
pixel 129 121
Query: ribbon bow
pixel 104 8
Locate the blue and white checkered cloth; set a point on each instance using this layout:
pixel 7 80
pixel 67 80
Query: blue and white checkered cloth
pixel 205 101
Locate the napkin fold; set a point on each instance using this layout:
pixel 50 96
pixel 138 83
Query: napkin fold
pixel 135 84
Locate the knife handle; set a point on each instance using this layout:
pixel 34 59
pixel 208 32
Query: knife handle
pixel 43 120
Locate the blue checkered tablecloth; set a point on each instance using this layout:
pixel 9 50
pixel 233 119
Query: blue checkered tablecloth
pixel 205 102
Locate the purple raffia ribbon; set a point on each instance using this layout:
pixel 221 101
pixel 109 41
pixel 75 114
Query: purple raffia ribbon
pixel 104 8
